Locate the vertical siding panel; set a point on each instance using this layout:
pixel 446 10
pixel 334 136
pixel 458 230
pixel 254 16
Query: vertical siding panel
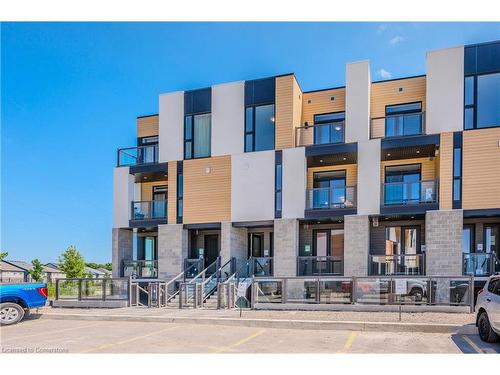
pixel 446 171
pixel 284 127
pixel 148 126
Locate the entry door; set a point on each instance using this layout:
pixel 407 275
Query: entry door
pixel 211 248
pixel 256 244
pixel 159 201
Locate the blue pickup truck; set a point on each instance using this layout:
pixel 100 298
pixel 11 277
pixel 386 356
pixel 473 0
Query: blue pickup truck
pixel 18 299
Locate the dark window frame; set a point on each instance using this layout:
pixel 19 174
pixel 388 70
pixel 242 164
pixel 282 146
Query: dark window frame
pixel 399 113
pixel 418 228
pixel 330 122
pixel 394 173
pixel 278 188
pixel 473 106
pixel 192 139
pixel 180 192
pixel 252 131
pixel 472 241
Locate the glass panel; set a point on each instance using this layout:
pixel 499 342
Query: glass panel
pixel 457 162
pixel 328 117
pixel 337 242
pixel 469 118
pixel 264 127
pixel 456 189
pixel 149 248
pixel 187 150
pixel 399 108
pixel 278 176
pixel 410 241
pixel 188 127
pixel 335 291
pixel 249 143
pixel 337 133
pixel 321 244
pixel 373 291
pixel 249 119
pixel 301 291
pixel 269 291
pixel 321 134
pixel 469 91
pixel 202 130
pixel 488 100
pixel 466 240
pixel 491 237
pixel 278 201
pixel 392 240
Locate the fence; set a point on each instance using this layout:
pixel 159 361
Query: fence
pixel 108 291
pixel 390 290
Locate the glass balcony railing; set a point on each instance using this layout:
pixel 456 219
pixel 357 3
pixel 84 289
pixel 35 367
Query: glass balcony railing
pixel 408 193
pixel 147 210
pixel 403 264
pixel 140 269
pixel 341 197
pixel 480 264
pixel 261 266
pixel 320 265
pixel 403 125
pixel 320 134
pixel 137 155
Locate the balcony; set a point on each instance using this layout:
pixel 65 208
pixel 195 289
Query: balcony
pixel 327 202
pixel 402 264
pixel 394 126
pixel 414 196
pixel 320 265
pixel 132 156
pixel 140 269
pixel 480 264
pixel 148 213
pixel 320 134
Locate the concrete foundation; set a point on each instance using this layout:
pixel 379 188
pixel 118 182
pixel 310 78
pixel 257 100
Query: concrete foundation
pixel 172 250
pixel 356 245
pixel 121 249
pixel 286 244
pixel 443 239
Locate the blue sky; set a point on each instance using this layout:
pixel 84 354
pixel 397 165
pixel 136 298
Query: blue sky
pixel 71 92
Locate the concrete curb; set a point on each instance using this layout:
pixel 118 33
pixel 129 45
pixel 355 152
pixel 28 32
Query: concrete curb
pixel 272 323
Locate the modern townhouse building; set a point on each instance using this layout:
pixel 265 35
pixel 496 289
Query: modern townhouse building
pixel 399 176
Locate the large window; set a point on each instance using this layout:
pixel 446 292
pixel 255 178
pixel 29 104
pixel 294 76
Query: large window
pixel 402 184
pixel 329 128
pixel 259 128
pixel 482 101
pixel 197 140
pixel 403 119
pixel 402 240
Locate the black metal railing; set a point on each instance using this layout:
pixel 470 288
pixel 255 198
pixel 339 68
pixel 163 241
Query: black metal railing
pixel 480 264
pixel 147 210
pixel 402 125
pixel 409 193
pixel 137 155
pixel 320 265
pixel 261 266
pixel 140 269
pixel 320 134
pixel 402 264
pixel 331 198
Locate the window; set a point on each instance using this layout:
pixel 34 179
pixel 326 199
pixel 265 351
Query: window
pixel 159 204
pixel 180 192
pixel 482 101
pixel 278 191
pixel 457 174
pixel 403 119
pixel 259 128
pixel 403 185
pixel 329 128
pixel 197 136
pixel 402 240
pixel 468 239
pixel 329 189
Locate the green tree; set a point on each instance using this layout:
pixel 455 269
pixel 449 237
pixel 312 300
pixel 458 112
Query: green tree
pixel 3 255
pixel 71 262
pixel 37 271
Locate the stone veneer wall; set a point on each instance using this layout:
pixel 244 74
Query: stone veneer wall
pixel 121 249
pixel 356 245
pixel 286 242
pixel 233 242
pixel 443 239
pixel 172 250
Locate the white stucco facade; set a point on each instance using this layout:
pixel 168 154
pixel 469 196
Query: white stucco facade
pixel 368 188
pixel 357 101
pixel 294 183
pixel 123 195
pixel 171 133
pixel 228 118
pixel 445 90
pixel 252 186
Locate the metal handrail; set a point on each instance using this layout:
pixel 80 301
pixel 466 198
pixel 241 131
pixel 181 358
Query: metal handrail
pixel 217 275
pixel 300 137
pixel 422 198
pixel 203 273
pixel 320 259
pixel 348 201
pixel 399 260
pixel 490 260
pixel 173 280
pixel 152 208
pixel 137 157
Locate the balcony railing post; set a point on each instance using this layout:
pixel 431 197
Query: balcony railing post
pixel 79 289
pixel 57 289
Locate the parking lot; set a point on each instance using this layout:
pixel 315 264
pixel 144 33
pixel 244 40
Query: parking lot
pixel 80 336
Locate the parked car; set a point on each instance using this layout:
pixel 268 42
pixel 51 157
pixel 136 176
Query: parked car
pixel 488 310
pixel 16 300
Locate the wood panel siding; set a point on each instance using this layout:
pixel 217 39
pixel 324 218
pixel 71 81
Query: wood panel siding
pixel 351 171
pixel 428 167
pixel 172 193
pixel 147 189
pixel 207 190
pixel 288 108
pixel 481 169
pixel 445 163
pixel 319 102
pixel 388 93
pixel 148 126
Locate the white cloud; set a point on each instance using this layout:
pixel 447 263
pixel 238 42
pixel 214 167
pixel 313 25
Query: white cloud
pixel 397 39
pixel 381 28
pixel 384 73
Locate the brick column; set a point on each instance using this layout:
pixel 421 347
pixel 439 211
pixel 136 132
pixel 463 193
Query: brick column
pixel 286 246
pixel 443 239
pixel 172 250
pixel 233 242
pixel 121 249
pixel 356 245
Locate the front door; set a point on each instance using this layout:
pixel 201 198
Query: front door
pixel 159 201
pixel 256 245
pixel 211 248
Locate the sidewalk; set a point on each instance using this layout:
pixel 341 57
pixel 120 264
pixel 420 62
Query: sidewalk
pixel 328 320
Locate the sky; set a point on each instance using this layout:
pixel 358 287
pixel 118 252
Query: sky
pixel 71 92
